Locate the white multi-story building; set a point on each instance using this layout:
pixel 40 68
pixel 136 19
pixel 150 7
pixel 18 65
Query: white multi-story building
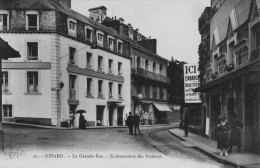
pixel 68 62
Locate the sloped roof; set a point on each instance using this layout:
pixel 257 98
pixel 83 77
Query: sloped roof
pixel 221 17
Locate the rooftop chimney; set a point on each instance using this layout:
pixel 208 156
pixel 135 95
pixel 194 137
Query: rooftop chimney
pixel 98 14
pixel 121 20
pixel 65 3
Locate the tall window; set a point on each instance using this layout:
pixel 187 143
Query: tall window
pixel 110 66
pixel 72 28
pixel 100 63
pixel 147 93
pixel 154 67
pixel 119 68
pixel 32 82
pixel 100 88
pixel 32 50
pixel 89 60
pixel 154 92
pixel 110 44
pixel 72 86
pixel 110 85
pixel 120 91
pixel 161 94
pixel 7 109
pixel 89 86
pixel 161 69
pixel 72 55
pixel 5 82
pixel 32 20
pixel 120 47
pixel 100 38
pixel 3 22
pixel 146 65
pixel 89 34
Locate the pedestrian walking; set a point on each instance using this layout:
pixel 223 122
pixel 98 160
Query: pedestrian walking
pixel 82 122
pixel 130 123
pixel 72 118
pixel 235 133
pixel 222 137
pixel 136 123
pixel 186 124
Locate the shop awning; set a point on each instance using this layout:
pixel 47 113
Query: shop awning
pixel 7 51
pixel 162 107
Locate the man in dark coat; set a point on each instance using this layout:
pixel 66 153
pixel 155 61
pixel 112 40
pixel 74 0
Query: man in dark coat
pixel 136 123
pixel 222 140
pixel 186 124
pixel 235 134
pixel 130 123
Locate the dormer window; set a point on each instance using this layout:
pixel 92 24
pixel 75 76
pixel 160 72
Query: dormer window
pixel 4 20
pixel 32 20
pixel 100 39
pixel 72 27
pixel 88 33
pixel 110 44
pixel 120 47
pixel 130 32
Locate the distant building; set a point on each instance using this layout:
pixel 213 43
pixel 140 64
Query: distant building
pixel 231 80
pixel 149 81
pixel 68 62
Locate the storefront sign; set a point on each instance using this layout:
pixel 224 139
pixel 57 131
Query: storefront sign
pixel 191 81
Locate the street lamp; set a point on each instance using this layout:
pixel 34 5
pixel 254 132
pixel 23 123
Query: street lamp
pixel 6 52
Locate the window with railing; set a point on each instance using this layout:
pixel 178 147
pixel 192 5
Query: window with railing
pixel 100 89
pixel 8 110
pixel 89 60
pixel 89 87
pixel 5 82
pixel 100 63
pixel 32 82
pixel 32 51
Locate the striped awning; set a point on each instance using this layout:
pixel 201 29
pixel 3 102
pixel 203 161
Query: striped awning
pixel 162 107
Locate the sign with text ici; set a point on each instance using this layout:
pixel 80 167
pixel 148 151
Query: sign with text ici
pixel 191 81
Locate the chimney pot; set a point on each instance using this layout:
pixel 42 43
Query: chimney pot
pixel 137 29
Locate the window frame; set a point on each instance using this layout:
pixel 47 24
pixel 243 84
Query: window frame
pixel 119 68
pixel 89 87
pixel 89 62
pixel 91 34
pixel 73 62
pixel 100 42
pixel 100 64
pixel 5 12
pixel 27 19
pixel 5 88
pixel 110 66
pixel 110 42
pixel 110 90
pixel 120 50
pixel 100 89
pixel 31 57
pixel 36 88
pixel 120 86
pixel 72 32
pixel 8 113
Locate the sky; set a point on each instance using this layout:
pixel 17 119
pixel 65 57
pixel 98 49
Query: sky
pixel 174 23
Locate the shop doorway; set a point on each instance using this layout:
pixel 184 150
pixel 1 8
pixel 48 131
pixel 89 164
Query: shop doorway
pixel 215 113
pixel 111 114
pixel 73 108
pixel 252 120
pixel 120 116
pixel 100 116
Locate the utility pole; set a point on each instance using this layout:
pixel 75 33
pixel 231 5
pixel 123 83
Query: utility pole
pixel 1 114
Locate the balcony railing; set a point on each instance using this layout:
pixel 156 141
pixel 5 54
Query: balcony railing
pixel 73 94
pixel 150 75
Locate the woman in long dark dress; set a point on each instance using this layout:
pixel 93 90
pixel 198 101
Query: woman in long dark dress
pixel 222 140
pixel 82 122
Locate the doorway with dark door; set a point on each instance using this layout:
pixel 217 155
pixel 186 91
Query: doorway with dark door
pixel 120 111
pixel 100 116
pixel 215 113
pixel 111 114
pixel 252 118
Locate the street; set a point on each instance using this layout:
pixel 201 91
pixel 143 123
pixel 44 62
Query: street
pixel 99 148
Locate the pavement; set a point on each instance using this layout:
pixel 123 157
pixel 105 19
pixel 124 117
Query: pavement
pixel 209 147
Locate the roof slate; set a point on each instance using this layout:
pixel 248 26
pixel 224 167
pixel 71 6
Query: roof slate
pixel 221 17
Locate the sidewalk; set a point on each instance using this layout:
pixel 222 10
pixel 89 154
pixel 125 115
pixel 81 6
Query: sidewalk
pixel 209 147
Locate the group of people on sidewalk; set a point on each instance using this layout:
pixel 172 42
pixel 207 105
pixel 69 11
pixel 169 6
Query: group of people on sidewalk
pixel 133 122
pixel 82 121
pixel 228 135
